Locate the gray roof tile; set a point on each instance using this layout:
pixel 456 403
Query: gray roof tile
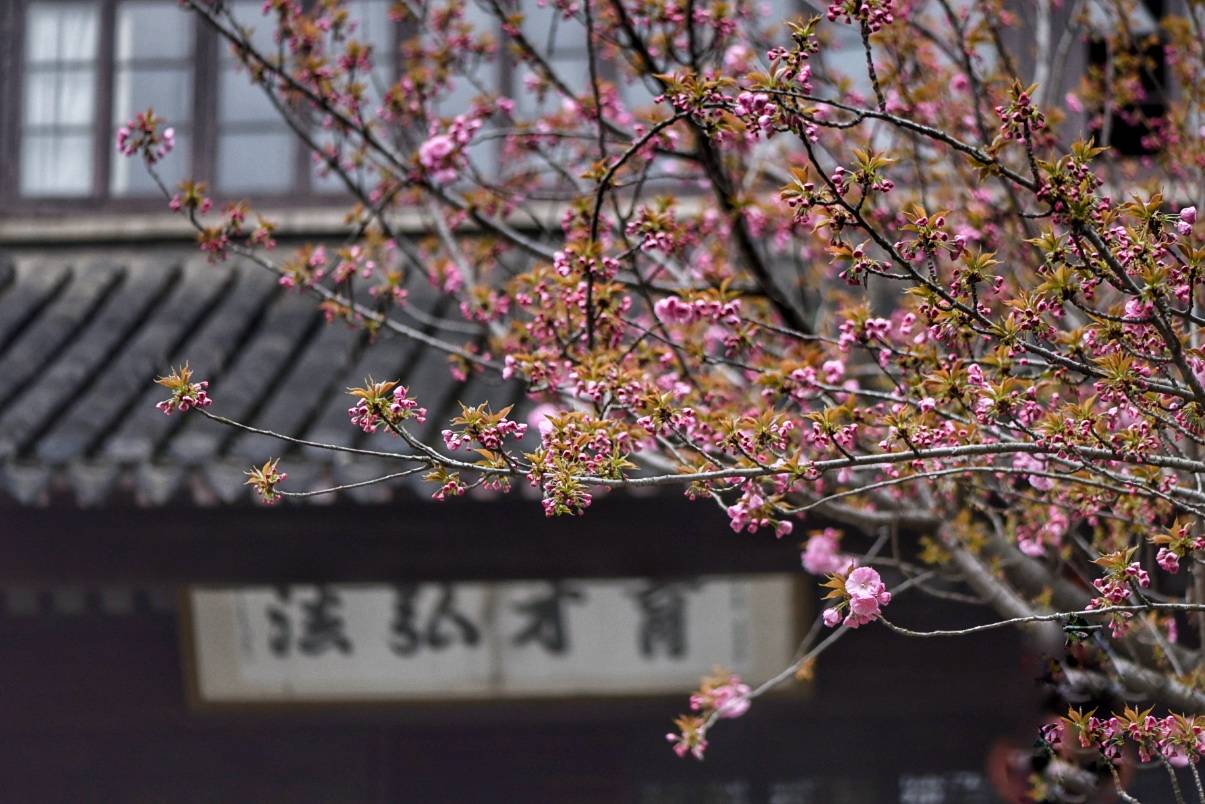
pixel 81 343
pixel 55 326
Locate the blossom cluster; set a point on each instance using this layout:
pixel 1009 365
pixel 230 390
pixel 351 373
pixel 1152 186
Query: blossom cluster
pixel 479 426
pixel 753 510
pixel 1185 220
pixel 1178 739
pixel 873 13
pixel 821 557
pixel 383 404
pixel 264 479
pixel 147 135
pixel 691 737
pixel 720 695
pixel 191 199
pixel 441 154
pixel 1020 117
pixel 673 310
pixel 1175 543
pixel 861 595
pixel 575 445
pixel 1115 586
pixel 186 394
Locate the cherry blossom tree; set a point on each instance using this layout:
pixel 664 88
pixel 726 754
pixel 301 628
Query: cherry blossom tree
pixel 856 273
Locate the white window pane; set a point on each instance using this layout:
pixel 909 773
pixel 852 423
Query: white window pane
pixel 460 96
pixel 61 32
pixel 249 15
pixel 457 99
pixel 382 77
pixel 56 164
pixel 483 156
pixel 41 98
pixel 41 34
pixel 574 72
pixel 80 32
pixel 549 30
pixel 331 182
pixel 240 101
pixel 373 27
pixel 153 29
pixel 480 21
pixel 167 91
pixel 130 176
pixel 60 97
pixel 263 162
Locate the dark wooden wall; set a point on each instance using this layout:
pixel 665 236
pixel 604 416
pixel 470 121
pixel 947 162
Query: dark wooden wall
pixel 458 540
pixel 92 708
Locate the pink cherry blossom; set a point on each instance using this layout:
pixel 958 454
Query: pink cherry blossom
pixel 1168 560
pixel 434 155
pixel 1185 221
pixel 864 582
pixel 728 700
pixel 820 556
pixel 866 596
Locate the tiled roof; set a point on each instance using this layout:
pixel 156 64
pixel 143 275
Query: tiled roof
pixel 82 340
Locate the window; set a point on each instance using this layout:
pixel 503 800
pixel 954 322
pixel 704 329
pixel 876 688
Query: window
pixel 59 110
pixel 82 68
pixel 255 148
pixel 153 56
pixel 564 45
pixel 372 26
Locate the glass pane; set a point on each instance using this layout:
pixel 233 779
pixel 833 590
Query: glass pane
pixel 373 26
pixel 167 91
pixel 462 91
pixel 56 164
pixel 240 101
pixel 382 77
pixel 574 71
pixel 60 32
pixel 460 96
pixel 249 14
pixel 483 155
pixel 153 29
pixel 264 162
pixel 60 97
pixel 330 183
pixel 131 178
pixel 548 29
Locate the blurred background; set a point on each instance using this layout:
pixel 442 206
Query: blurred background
pixel 165 639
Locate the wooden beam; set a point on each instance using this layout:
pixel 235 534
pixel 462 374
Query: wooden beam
pixel 459 540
